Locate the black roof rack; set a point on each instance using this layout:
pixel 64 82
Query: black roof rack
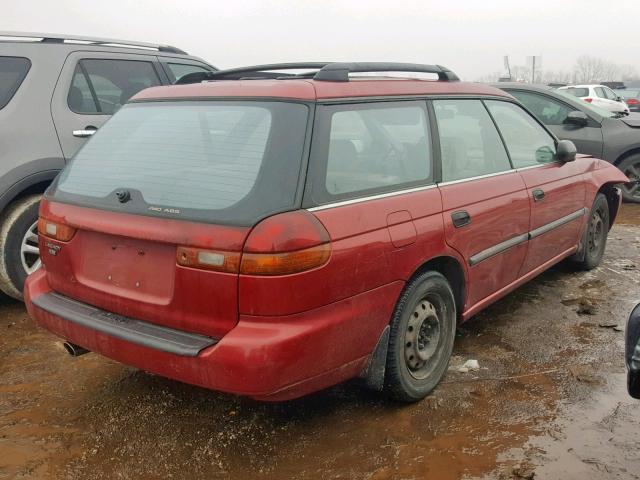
pixel 324 71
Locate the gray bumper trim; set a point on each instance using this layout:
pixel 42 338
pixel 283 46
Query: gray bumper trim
pixel 135 331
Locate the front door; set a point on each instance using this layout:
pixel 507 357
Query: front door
pixel 485 204
pixel 556 191
pixel 92 87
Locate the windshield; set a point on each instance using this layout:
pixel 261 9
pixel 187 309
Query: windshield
pixel 589 106
pixel 224 162
pixel 629 93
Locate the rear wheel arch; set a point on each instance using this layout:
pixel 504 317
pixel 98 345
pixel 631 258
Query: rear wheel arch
pixel 453 271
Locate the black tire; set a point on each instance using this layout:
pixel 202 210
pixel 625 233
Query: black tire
pixel 17 220
pixel 630 166
pixel 594 242
pixel 410 375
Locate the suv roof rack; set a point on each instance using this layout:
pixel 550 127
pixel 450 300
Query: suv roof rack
pixel 80 40
pixel 324 71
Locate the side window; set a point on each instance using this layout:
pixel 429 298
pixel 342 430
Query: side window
pixel 13 71
pixel 103 86
pixel 609 94
pixel 179 70
pixel 469 142
pixel 528 143
pixel 373 147
pixel 549 111
pixel 600 92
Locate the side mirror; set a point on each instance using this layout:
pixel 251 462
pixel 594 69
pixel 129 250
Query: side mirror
pixel 566 151
pixel 632 353
pixel 577 118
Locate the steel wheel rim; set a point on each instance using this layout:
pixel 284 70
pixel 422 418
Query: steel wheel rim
pixel 29 251
pixel 633 173
pixel 596 231
pixel 422 338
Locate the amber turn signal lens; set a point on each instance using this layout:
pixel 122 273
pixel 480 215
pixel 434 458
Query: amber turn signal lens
pixel 54 230
pixel 285 263
pixel 208 259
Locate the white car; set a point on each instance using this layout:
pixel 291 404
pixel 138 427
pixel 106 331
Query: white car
pixel 600 96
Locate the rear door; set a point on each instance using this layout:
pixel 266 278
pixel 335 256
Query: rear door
pixel 553 113
pixel 485 204
pixel 556 191
pixel 92 87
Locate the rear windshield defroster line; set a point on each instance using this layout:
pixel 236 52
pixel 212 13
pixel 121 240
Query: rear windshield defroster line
pixel 228 162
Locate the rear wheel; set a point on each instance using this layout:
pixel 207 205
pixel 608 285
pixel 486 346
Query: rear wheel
pixel 630 166
pixel 19 253
pixel 421 338
pixel 595 239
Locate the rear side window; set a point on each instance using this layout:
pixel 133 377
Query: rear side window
pixel 179 70
pixel 103 86
pixel 220 162
pixel 600 92
pixel 549 111
pixel 469 142
pixel 368 148
pixel 528 143
pixel 13 71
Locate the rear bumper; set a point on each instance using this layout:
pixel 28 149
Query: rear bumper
pixel 267 358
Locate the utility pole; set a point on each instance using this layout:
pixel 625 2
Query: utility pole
pixel 533 69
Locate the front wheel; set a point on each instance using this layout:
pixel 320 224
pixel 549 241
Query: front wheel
pixel 19 253
pixel 421 338
pixel 595 239
pixel 630 166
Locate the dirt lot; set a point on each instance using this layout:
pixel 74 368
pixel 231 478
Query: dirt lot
pixel 549 401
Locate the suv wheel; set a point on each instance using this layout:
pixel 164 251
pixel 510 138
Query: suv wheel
pixel 631 168
pixel 19 244
pixel 421 338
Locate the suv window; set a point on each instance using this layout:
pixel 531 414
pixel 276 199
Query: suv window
pixel 609 94
pixel 103 86
pixel 528 143
pixel 600 92
pixel 469 142
pixel 13 71
pixel 547 109
pixel 368 148
pixel 179 70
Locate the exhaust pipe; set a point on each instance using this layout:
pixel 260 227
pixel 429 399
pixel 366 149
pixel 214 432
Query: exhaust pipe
pixel 74 350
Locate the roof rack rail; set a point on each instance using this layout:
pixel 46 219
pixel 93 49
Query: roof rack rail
pixel 324 71
pixel 75 39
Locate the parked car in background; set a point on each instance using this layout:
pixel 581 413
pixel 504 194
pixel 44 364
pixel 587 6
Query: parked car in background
pixel 274 237
pixel 595 131
pixel 631 96
pixel 632 353
pixel 55 92
pixel 598 95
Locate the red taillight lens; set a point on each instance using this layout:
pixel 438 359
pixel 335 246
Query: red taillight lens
pixel 55 230
pixel 288 243
pixel 218 261
pixel 632 101
pixel 588 100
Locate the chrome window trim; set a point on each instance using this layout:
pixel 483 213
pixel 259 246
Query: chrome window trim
pixel 555 162
pixel 470 179
pixel 370 197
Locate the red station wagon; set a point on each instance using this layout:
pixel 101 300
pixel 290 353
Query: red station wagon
pixel 271 234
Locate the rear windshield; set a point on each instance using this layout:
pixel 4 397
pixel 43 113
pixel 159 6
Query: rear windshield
pixel 13 70
pixel 226 162
pixel 628 93
pixel 577 92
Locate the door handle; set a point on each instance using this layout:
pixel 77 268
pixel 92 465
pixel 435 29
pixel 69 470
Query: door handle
pixel 538 195
pixel 461 218
pixel 86 132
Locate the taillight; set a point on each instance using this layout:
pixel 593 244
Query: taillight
pixel 588 100
pixel 57 231
pixel 632 101
pixel 288 243
pixel 208 259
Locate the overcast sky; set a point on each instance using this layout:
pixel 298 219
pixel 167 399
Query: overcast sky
pixel 468 36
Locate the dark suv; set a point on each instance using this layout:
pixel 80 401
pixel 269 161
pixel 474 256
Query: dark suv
pixel 55 91
pixel 595 131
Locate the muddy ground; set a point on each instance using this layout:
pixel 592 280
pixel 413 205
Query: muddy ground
pixel 548 402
